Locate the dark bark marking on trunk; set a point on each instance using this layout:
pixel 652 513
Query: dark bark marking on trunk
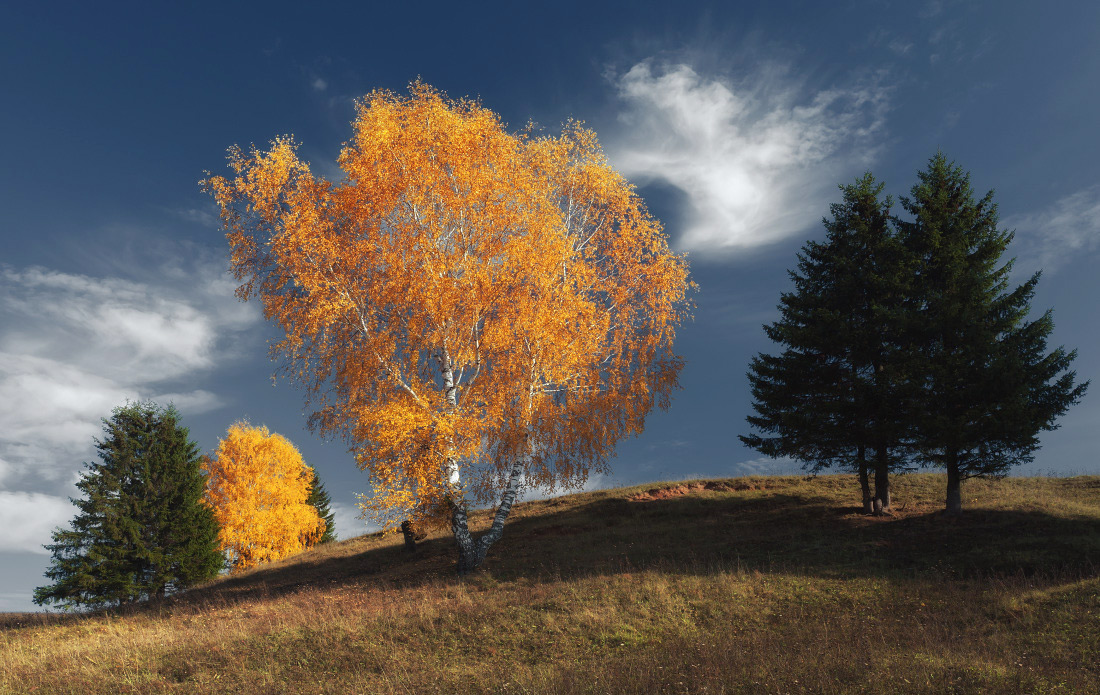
pixel 471 553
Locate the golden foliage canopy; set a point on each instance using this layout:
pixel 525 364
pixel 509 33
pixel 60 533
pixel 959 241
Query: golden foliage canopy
pixel 466 303
pixel 258 487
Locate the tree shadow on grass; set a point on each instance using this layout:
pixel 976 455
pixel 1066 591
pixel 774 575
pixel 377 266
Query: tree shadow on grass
pixel 698 532
pixel 807 534
pixel 766 531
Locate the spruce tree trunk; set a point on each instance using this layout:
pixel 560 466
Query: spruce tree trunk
pixel 954 487
pixel 865 482
pixel 882 482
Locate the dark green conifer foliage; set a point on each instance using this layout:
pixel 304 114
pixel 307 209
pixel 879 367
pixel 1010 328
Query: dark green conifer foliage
pixel 836 396
pixel 320 500
pixel 988 383
pixel 142 529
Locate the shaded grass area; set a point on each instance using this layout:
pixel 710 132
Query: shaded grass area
pixel 768 584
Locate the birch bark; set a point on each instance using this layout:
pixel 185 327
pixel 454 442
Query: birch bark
pixel 471 551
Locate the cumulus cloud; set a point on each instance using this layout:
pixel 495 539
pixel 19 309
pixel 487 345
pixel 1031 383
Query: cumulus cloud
pixel 73 346
pixel 1068 227
pixel 347 521
pixel 757 161
pixel 28 519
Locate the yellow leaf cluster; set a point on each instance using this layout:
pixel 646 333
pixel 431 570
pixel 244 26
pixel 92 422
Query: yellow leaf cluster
pixel 258 486
pixel 464 300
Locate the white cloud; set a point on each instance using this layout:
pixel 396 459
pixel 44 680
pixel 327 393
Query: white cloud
pixel 758 160
pixel 319 84
pixel 347 521
pixel 1068 227
pixel 28 519
pixel 73 347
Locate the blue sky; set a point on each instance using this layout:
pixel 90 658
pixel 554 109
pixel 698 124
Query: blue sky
pixel 736 120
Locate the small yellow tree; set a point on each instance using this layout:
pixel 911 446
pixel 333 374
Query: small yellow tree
pixel 258 488
pixel 472 310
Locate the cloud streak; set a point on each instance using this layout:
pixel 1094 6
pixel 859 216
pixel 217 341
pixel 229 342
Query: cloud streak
pixel 1054 235
pixel 756 161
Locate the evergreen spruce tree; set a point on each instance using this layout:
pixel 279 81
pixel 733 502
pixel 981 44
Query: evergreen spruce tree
pixel 988 383
pixel 142 529
pixel 318 497
pixel 837 395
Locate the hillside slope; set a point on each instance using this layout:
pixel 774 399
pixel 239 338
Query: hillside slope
pixel 743 585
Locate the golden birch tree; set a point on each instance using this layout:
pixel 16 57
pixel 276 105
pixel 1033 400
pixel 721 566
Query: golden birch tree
pixel 471 310
pixel 258 487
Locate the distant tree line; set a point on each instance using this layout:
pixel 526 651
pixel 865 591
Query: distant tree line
pixel 156 516
pixel 904 344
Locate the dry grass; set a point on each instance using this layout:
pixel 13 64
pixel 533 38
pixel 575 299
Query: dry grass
pixel 755 585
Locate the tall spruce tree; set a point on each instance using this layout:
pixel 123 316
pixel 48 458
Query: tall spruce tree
pixel 837 395
pixel 142 529
pixel 319 498
pixel 988 383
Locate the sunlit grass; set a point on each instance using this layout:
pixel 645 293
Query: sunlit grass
pixel 768 585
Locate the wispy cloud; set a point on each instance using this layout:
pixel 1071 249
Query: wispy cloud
pixel 767 466
pixel 931 9
pixel 900 46
pixel 205 216
pixel 1067 228
pixel 319 84
pixel 757 159
pixel 882 37
pixel 73 346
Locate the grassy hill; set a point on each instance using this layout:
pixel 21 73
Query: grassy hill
pixel 747 585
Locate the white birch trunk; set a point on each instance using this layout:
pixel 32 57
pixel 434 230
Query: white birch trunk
pixel 471 551
pixel 450 389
